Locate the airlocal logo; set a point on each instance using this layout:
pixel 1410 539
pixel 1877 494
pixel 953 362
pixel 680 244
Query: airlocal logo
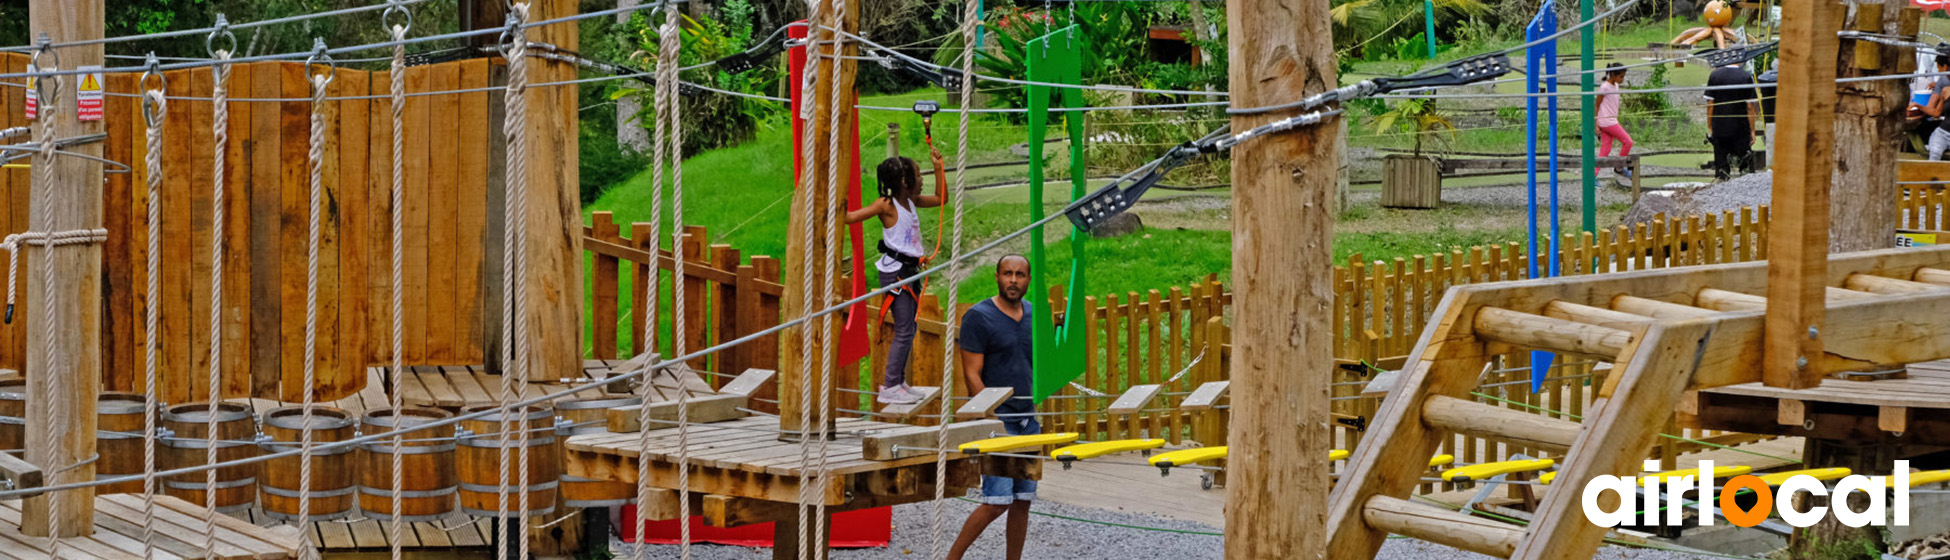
pixel 1636 496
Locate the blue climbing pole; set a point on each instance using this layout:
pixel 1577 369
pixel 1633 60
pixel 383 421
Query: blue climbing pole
pixel 1540 61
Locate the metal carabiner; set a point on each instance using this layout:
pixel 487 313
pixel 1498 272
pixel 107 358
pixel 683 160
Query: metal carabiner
pixel 152 112
pixel 222 32
pixel 50 99
pixel 509 34
pixel 321 55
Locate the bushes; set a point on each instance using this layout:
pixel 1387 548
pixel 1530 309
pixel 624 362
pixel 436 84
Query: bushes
pixel 710 120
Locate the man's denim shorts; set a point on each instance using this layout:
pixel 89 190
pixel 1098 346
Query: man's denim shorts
pixel 1001 491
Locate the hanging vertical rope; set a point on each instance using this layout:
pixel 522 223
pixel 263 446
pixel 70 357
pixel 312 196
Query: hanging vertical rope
pixel 951 324
pixel 653 291
pixel 807 213
pixel 320 85
pixel 397 83
pixel 668 114
pixel 835 201
pixel 52 377
pixel 155 106
pixel 514 48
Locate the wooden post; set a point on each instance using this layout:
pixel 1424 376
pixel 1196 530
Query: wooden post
pixel 70 201
pixel 552 261
pixel 824 198
pixel 1870 130
pixel 893 140
pixel 1277 492
pixel 1798 240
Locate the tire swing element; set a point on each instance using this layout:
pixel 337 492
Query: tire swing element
pixel 1055 58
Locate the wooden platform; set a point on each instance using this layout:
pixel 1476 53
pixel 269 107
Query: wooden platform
pixel 745 459
pixel 1913 411
pixel 178 534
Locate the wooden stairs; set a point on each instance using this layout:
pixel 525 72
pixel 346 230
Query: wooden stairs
pixel 1667 331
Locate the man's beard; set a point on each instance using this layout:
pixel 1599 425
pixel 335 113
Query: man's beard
pixel 1017 298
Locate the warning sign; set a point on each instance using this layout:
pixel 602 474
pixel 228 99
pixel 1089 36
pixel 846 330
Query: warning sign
pixel 33 109
pixel 88 97
pixel 1916 238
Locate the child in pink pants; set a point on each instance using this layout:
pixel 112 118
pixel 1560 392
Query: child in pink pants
pixel 1608 127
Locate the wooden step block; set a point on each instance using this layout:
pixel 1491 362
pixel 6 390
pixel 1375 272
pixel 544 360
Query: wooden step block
pixel 984 403
pixel 1135 399
pixel 915 441
pixel 1722 300
pixel 663 415
pixel 1889 286
pixel 1546 333
pixel 928 395
pixel 1441 526
pixel 748 382
pixel 1502 424
pixel 1205 396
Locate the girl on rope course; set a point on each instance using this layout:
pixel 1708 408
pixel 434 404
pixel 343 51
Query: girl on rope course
pixel 901 254
pixel 1609 128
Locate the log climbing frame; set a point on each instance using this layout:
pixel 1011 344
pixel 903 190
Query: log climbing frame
pixel 1667 331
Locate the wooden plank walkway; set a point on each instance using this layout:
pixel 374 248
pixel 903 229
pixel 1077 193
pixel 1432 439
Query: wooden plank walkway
pixel 178 534
pixel 1909 411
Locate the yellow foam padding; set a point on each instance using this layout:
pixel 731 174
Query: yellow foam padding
pixel 1012 443
pixel 1547 478
pixel 1487 470
pixel 1102 448
pixel 1191 456
pixel 1337 454
pixel 1719 473
pixel 1441 460
pixel 1779 478
pixel 1920 478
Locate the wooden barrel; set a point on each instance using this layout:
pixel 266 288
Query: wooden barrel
pixel 184 446
pixel 332 471
pixel 119 417
pixel 588 416
pixel 13 415
pixel 427 465
pixel 480 461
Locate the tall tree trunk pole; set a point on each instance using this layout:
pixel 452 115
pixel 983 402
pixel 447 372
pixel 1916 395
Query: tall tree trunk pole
pixel 68 199
pixel 1282 50
pixel 1869 129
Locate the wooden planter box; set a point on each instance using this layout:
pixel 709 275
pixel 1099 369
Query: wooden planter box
pixel 1410 182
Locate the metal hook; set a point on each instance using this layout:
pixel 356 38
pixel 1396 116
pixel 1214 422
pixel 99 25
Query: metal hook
pixel 395 7
pixel 321 55
pixel 151 111
pixel 50 99
pixel 222 32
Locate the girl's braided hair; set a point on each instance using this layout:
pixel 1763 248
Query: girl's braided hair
pixel 897 174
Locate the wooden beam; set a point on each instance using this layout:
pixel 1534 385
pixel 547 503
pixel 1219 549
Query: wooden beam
pixel 1797 240
pixel 1657 309
pixel 915 441
pixel 1936 276
pixel 1887 286
pixel 67 199
pixel 22 474
pixel 748 382
pixel 1282 231
pixel 1441 526
pixel 703 409
pixel 925 396
pixel 1135 399
pixel 1205 396
pixel 1547 333
pixel 1500 424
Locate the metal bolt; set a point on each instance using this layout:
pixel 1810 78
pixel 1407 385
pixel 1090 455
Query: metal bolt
pixel 1801 362
pixel 1814 332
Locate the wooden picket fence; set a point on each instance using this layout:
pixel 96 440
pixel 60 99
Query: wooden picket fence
pixel 1921 207
pixel 451 205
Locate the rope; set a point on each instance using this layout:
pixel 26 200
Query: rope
pixel 808 87
pixel 155 107
pixel 970 19
pixel 52 376
pixel 14 242
pixel 668 114
pixel 828 347
pixel 397 524
pixel 515 49
pixel 653 290
pixel 220 125
pixel 320 83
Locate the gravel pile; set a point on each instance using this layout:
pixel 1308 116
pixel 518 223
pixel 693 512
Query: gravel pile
pixel 1569 193
pixel 1055 538
pixel 1752 189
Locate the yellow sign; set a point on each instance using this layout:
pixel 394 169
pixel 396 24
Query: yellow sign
pixel 1915 238
pixel 89 82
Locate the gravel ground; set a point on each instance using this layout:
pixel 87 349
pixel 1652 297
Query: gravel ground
pixel 1055 538
pixel 1512 195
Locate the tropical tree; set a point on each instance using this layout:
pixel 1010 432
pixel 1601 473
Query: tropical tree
pixel 1367 24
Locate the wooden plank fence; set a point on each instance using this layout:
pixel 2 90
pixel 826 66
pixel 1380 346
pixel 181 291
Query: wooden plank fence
pixel 452 202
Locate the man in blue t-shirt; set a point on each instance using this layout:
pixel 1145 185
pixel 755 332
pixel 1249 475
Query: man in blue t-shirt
pixel 995 351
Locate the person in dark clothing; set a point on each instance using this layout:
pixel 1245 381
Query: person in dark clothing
pixel 1731 120
pixel 1932 111
pixel 995 352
